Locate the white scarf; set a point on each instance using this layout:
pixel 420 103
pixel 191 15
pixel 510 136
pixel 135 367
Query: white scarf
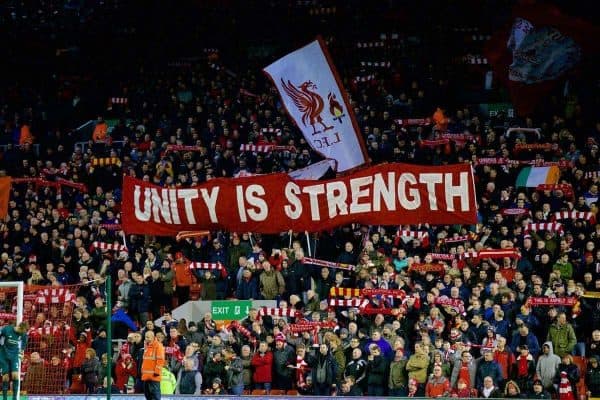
pixel 487 392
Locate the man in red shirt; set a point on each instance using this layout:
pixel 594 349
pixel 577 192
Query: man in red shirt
pixel 504 357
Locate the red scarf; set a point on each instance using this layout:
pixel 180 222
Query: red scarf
pixel 464 374
pixel 523 366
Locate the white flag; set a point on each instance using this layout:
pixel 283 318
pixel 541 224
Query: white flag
pixel 313 96
pixel 314 171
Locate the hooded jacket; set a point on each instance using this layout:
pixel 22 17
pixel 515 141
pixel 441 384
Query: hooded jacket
pixel 547 365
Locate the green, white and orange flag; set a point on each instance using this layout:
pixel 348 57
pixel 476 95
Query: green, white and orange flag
pixel 534 176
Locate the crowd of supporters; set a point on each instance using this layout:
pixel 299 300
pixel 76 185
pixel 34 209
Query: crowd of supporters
pixel 527 325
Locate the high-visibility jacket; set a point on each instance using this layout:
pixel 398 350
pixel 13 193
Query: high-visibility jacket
pixel 100 132
pixel 25 135
pixel 153 361
pixel 168 383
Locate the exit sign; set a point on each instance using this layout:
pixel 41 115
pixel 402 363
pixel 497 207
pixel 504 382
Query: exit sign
pixel 229 310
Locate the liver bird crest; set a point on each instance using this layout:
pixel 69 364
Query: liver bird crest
pixel 308 102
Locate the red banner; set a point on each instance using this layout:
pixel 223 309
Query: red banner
pixel 387 194
pixel 552 301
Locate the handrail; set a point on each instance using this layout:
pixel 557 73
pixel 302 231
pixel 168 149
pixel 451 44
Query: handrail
pixel 36 147
pixel 84 145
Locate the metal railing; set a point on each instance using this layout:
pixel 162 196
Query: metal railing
pixel 88 143
pixel 36 148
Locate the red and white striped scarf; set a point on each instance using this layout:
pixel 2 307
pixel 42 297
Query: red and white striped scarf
pixel 574 214
pixel 456 304
pixel 413 122
pixel 358 303
pixel 55 296
pixel 565 391
pixel 515 211
pixel 362 79
pixel 464 238
pixel 174 352
pixel 301 369
pixel 276 131
pixel 278 312
pixel 244 332
pixel 118 100
pixel 397 293
pixel 382 64
pixel 545 226
pixel 308 326
pixel 442 256
pixel 328 264
pixel 266 148
pixel 370 45
pixel 459 137
pixel 179 147
pixel 412 234
pixel 434 142
pixel 492 253
pixel 109 246
pixel 206 265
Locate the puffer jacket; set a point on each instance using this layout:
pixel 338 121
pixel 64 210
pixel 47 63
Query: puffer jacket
pixel 235 373
pixel 417 367
pixel 563 338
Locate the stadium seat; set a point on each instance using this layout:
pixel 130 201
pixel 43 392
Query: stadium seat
pixel 292 392
pixel 277 392
pixel 581 362
pixel 258 392
pixel 247 392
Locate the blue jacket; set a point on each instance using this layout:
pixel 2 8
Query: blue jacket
pixel 531 341
pixel 139 298
pixel 247 289
pixel 121 316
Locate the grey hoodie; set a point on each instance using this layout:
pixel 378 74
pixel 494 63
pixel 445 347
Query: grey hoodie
pixel 547 365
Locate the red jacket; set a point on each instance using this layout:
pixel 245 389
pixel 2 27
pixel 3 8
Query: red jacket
pixel 80 348
pixel 122 373
pixel 505 359
pixel 262 367
pixel 437 388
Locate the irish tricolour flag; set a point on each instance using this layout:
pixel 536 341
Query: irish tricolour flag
pixel 533 176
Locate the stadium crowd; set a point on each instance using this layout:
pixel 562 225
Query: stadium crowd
pixel 527 325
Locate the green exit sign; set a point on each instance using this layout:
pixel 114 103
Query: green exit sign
pixel 229 310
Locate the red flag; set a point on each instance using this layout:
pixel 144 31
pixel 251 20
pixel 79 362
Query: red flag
pixel 4 195
pixel 542 45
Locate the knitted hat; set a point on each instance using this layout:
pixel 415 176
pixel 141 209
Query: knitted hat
pixel 280 337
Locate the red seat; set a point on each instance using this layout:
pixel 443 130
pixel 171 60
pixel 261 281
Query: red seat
pixel 258 392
